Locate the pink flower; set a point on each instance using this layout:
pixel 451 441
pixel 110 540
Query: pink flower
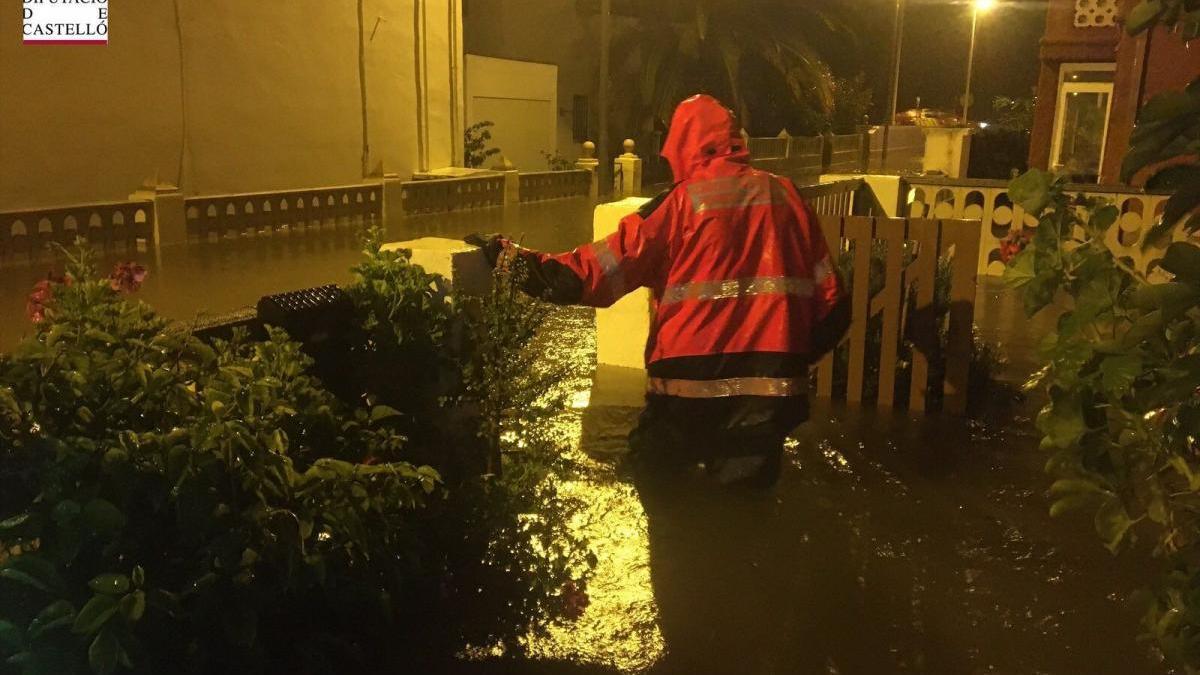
pixel 42 295
pixel 39 297
pixel 127 277
pixel 1013 244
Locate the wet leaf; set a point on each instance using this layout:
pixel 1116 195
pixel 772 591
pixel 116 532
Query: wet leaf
pixel 383 412
pixel 1071 502
pixel 133 606
pixel 1119 372
pixel 1062 421
pixel 95 614
pixel 1112 523
pixel 1020 271
pixel 1077 485
pixel 1031 190
pixel 14 522
pixel 1142 16
pixel 1102 219
pixel 60 613
pixel 1183 260
pixel 104 652
pixel 110 584
pixel 11 638
pixel 66 512
pixel 102 517
pixel 23 578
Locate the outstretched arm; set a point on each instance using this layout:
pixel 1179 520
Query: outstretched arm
pixel 596 274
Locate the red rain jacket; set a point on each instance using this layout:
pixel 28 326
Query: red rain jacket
pixel 734 258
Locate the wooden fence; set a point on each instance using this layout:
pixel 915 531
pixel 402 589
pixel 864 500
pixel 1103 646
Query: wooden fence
pixel 912 249
pixel 112 226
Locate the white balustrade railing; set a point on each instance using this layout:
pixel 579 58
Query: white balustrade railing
pixel 988 202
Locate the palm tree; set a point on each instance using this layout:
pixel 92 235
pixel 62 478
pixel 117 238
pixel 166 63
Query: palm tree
pixel 749 53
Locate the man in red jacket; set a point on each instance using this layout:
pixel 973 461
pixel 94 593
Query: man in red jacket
pixel 745 296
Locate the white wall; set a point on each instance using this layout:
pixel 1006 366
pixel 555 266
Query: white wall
pixel 521 98
pixel 229 96
pixel 544 31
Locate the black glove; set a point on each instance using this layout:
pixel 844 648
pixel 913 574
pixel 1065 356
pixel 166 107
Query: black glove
pixel 491 244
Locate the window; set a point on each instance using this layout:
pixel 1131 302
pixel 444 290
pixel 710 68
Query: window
pixel 579 118
pixel 1081 119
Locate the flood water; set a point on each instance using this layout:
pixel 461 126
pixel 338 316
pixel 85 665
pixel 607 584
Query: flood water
pixel 207 280
pixel 891 544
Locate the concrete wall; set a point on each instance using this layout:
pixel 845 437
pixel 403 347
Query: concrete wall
pixel 1147 65
pixel 543 31
pixel 521 99
pixel 223 96
pixel 1063 42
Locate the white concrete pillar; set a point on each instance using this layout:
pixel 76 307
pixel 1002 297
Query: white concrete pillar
pixel 170 213
pixel 627 173
pixel 947 150
pixel 392 193
pixel 588 162
pixel 621 330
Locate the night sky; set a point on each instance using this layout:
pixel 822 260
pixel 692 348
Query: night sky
pixel 934 60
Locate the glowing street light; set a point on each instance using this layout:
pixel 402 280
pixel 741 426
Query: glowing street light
pixel 977 7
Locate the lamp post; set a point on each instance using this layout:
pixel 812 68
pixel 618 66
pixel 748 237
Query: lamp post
pixel 977 7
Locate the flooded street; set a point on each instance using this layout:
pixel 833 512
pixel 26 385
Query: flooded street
pixel 208 280
pixel 890 545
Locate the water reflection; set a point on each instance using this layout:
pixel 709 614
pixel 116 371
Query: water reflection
pixel 891 545
pixel 215 278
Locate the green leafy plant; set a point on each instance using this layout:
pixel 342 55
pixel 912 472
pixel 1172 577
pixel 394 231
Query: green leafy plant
pixel 851 99
pixel 492 421
pixel 556 162
pixel 1122 373
pixel 1014 114
pixel 475 144
pixel 172 500
pixel 169 504
pixel 1122 378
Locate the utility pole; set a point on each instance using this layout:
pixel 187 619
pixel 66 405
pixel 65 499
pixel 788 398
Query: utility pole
pixel 970 67
pixel 976 7
pixel 603 151
pixel 897 39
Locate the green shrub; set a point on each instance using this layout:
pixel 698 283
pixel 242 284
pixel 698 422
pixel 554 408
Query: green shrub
pixel 492 411
pixel 172 505
pixel 1122 376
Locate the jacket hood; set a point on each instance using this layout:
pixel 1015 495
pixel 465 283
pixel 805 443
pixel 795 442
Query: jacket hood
pixel 702 130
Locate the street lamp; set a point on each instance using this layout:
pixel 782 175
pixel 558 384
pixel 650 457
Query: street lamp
pixel 977 7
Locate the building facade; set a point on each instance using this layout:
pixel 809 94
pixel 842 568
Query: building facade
pixel 230 96
pixel 1092 80
pixel 525 38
